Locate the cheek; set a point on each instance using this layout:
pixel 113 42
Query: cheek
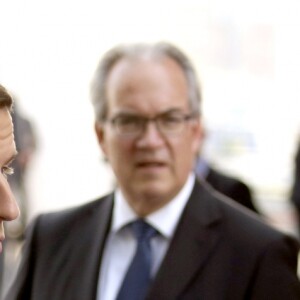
pixel 6 194
pixel 185 151
pixel 118 149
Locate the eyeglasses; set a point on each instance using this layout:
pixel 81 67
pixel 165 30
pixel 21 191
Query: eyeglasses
pixel 168 123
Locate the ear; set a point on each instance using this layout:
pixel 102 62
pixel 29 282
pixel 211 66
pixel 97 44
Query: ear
pixel 198 136
pixel 100 133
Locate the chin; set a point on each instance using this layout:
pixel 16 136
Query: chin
pixel 155 190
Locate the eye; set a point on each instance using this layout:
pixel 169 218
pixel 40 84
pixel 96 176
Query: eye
pixel 6 171
pixel 128 123
pixel 171 120
pixel 127 120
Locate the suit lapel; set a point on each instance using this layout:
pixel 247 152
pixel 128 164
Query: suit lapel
pixel 195 237
pixel 95 225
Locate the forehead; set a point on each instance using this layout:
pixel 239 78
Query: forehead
pixel 147 82
pixel 7 143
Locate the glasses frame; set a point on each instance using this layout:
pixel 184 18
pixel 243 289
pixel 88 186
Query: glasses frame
pixel 144 121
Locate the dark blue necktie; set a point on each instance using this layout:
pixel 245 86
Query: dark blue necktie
pixel 137 278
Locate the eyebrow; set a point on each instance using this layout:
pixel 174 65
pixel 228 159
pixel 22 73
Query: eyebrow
pixel 131 113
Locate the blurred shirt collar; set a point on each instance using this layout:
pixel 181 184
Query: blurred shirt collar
pixel 123 213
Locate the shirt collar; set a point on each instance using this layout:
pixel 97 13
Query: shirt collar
pixel 123 213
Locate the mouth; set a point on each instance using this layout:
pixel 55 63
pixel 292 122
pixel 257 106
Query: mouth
pixel 150 164
pixel 151 167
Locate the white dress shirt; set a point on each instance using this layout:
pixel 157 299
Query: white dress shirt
pixel 120 246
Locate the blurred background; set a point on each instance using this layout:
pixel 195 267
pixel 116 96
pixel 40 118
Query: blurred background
pixel 247 57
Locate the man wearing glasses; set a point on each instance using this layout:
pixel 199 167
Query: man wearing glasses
pixel 161 234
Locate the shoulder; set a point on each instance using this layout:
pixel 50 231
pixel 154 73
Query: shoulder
pixel 61 222
pixel 239 225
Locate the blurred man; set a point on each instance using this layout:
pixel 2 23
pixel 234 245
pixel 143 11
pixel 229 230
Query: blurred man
pixel 8 206
pixel 161 234
pixel 295 191
pixel 228 185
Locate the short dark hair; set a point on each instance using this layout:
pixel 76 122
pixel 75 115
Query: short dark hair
pixel 5 98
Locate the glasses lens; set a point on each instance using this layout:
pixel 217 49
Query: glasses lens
pixel 171 123
pixel 128 124
pixel 168 123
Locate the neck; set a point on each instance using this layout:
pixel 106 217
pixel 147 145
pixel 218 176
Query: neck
pixel 144 205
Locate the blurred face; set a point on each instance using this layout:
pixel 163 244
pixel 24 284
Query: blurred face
pixel 8 207
pixel 151 167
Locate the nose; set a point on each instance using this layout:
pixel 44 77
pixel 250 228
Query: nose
pixel 9 209
pixel 151 136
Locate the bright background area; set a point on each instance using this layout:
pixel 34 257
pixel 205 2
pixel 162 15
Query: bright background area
pixel 246 54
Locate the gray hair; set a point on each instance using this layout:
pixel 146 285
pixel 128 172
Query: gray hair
pixel 136 51
pixel 5 98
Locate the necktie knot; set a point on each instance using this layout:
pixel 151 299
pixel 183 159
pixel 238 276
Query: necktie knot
pixel 143 232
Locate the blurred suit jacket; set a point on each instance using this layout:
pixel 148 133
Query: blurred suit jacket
pixel 220 250
pixel 295 194
pixel 231 187
pixel 225 184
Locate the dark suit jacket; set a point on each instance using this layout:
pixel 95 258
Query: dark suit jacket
pixel 295 195
pixel 231 187
pixel 220 250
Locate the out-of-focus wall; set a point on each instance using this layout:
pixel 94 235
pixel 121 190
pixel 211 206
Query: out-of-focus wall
pixel 246 53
